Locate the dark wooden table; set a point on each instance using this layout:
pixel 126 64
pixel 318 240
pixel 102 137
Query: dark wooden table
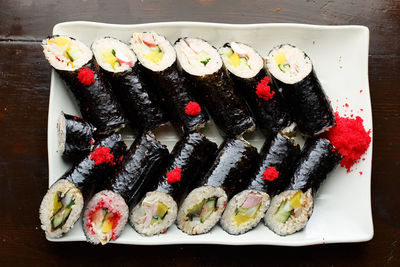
pixel 24 95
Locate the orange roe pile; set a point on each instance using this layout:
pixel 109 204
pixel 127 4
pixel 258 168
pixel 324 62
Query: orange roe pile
pixel 102 155
pixel 263 90
pixel 349 138
pixel 174 175
pixel 192 108
pixel 270 174
pixel 86 76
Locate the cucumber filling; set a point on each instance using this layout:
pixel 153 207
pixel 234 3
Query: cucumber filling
pixel 202 210
pixel 62 207
pixel 289 207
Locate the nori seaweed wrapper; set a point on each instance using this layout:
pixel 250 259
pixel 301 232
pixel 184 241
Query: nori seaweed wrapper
pixel 269 115
pixel 78 137
pixel 317 159
pixel 97 103
pixel 309 105
pixel 143 161
pixel 86 173
pixel 192 154
pixel 281 153
pixel 226 107
pixel 140 104
pixel 175 95
pixel 235 163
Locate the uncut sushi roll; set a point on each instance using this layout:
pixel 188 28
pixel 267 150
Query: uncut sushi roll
pixel 62 205
pixel 293 72
pixel 158 60
pixel 75 137
pixel 158 209
pixel 119 65
pixel 204 205
pixel 246 69
pixel 245 210
pixel 107 212
pixel 202 65
pixel 73 61
pixel 290 210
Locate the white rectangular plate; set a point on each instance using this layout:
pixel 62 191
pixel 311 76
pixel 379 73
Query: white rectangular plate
pixel 342 210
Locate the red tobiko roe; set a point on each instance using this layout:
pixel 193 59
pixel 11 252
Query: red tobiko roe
pixel 102 155
pixel 192 108
pixel 270 174
pixel 263 89
pixel 86 76
pixel 349 138
pixel 174 175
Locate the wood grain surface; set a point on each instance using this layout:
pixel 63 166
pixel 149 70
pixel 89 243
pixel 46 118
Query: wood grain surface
pixel 24 95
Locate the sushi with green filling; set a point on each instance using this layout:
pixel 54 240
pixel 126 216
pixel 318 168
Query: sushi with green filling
pixel 290 210
pixel 119 65
pixel 107 212
pixel 202 66
pixel 204 205
pixel 245 210
pixel 158 61
pixel 73 61
pixel 158 209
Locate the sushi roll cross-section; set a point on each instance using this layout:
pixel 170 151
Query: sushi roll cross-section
pixel 293 72
pixel 202 66
pixel 158 61
pixel 120 67
pixel 107 212
pixel 73 61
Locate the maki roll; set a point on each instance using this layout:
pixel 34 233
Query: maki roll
pixel 246 69
pixel 157 210
pixel 119 65
pixel 293 72
pixel 203 207
pixel 290 210
pixel 62 205
pixel 107 212
pixel 73 62
pixel 158 61
pixel 245 210
pixel 75 137
pixel 202 65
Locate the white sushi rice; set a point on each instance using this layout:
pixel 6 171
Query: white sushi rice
pixel 61 133
pixel 254 61
pixel 300 64
pixel 191 52
pixel 142 49
pixel 228 222
pixel 194 226
pixel 122 51
pixel 115 204
pixel 296 221
pixel 46 208
pixel 138 216
pixel 56 55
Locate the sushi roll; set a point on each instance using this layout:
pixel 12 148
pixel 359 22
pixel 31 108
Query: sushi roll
pixel 204 205
pixel 246 69
pixel 107 212
pixel 119 65
pixel 158 60
pixel 293 72
pixel 62 205
pixel 73 61
pixel 202 65
pixel 158 209
pixel 290 210
pixel 75 137
pixel 245 210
